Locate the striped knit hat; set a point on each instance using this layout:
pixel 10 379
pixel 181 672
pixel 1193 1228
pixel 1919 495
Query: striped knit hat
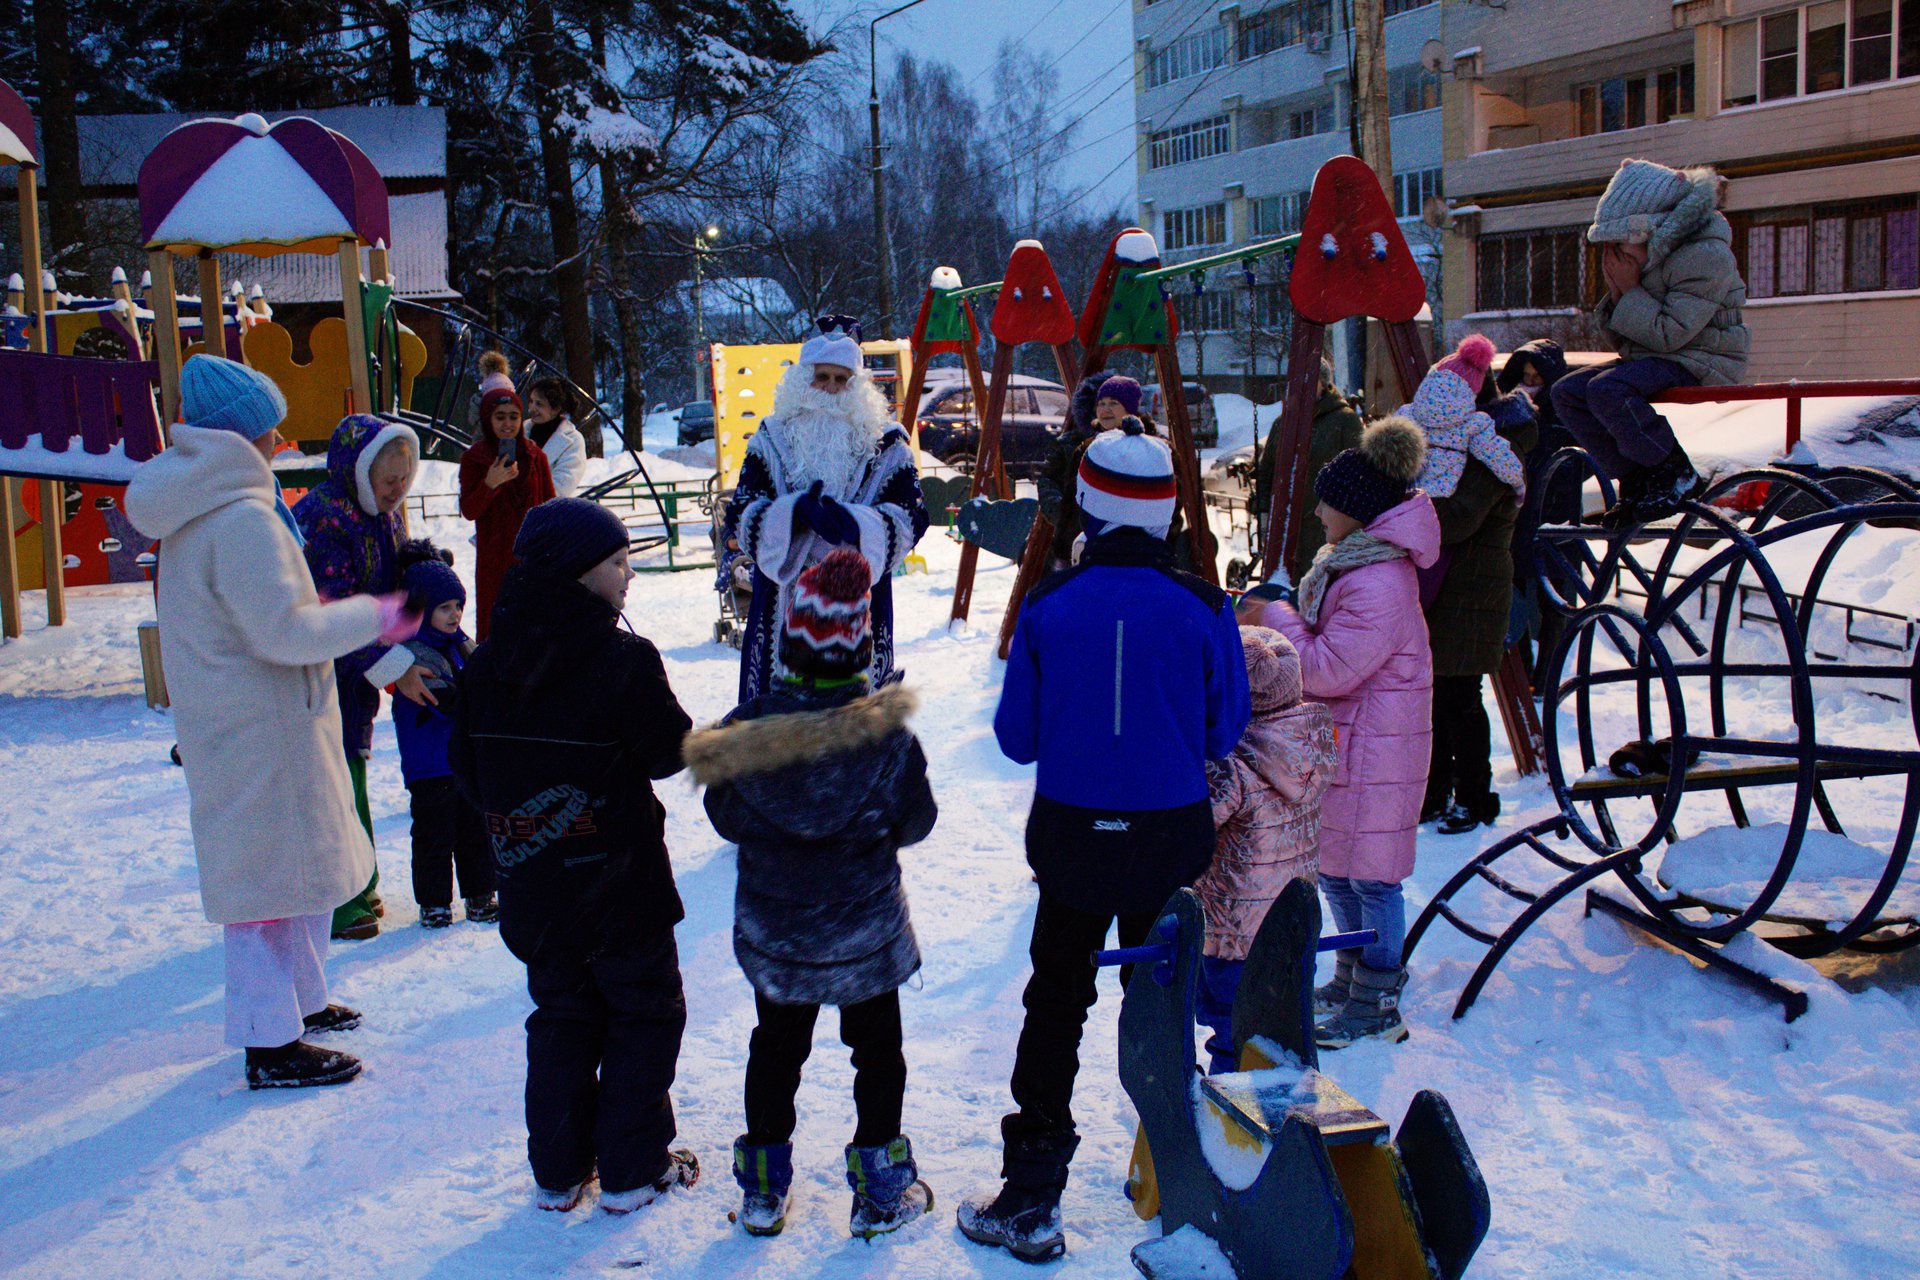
pixel 826 635
pixel 1126 477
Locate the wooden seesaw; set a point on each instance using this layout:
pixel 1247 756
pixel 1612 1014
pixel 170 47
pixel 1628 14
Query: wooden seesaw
pixel 1285 1174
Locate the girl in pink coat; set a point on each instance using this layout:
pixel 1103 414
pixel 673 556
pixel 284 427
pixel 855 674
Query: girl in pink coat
pixel 1363 651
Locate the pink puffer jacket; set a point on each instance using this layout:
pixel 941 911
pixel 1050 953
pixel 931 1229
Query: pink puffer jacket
pixel 1368 660
pixel 1266 817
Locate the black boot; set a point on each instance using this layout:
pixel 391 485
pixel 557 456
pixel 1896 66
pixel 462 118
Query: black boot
pixel 1024 1218
pixel 1468 814
pixel 335 1017
pixel 1669 486
pixel 1629 491
pixel 299 1065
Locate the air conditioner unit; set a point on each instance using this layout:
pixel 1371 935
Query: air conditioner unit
pixel 1318 42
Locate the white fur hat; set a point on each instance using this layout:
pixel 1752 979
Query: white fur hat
pixel 838 342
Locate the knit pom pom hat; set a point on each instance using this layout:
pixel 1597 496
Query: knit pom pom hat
pixel 826 634
pixel 1273 669
pixel 1365 483
pixel 1451 389
pixel 495 373
pixel 1126 477
pixel 1470 361
pixel 426 573
pixel 1122 388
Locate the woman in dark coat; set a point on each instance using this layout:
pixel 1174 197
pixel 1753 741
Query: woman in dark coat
pixel 1336 428
pixel 1467 619
pixel 1532 370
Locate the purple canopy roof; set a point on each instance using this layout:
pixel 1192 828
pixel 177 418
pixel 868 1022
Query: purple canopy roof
pixel 16 129
pixel 240 184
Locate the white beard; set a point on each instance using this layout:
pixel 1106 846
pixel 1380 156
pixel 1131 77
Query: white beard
pixel 824 436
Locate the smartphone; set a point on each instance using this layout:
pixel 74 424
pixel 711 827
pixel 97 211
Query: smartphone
pixel 510 450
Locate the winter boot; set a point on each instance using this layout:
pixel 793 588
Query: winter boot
pixel 683 1170
pixel 1330 997
pixel 564 1200
pixel 335 1017
pixel 299 1065
pixel 1024 1218
pixel 1372 1011
pixel 887 1191
pixel 436 917
pixel 1669 486
pixel 1438 800
pixel 1468 814
pixel 359 930
pixel 1628 490
pixel 483 910
pixel 765 1175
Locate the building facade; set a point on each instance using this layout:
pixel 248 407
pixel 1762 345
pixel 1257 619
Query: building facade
pixel 1810 110
pixel 1237 107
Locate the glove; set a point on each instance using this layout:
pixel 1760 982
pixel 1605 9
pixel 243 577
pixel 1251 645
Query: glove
pixel 399 622
pixel 827 517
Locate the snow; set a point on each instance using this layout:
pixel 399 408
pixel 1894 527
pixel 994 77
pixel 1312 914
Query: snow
pixel 256 193
pixel 1136 247
pixel 606 131
pixel 1632 1115
pixel 944 278
pixel 35 459
pixel 1190 1254
pixel 1832 875
pixel 14 149
pixel 1862 431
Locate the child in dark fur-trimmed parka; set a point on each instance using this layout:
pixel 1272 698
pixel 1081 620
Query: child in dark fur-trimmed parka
pixel 820 783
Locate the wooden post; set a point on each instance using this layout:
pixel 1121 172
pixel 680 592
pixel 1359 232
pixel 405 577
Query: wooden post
pixel 1039 549
pixel 123 296
pixel 986 468
pixel 378 270
pixel 39 339
pixel 53 566
pixel 357 380
pixel 9 566
pixel 1372 142
pixel 970 361
pixel 166 334
pixel 1186 463
pixel 36 308
pixel 1289 463
pixel 213 306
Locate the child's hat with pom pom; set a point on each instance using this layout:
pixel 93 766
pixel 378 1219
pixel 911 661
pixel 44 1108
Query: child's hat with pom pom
pixel 1470 361
pixel 1366 482
pixel 1450 392
pixel 495 373
pixel 826 635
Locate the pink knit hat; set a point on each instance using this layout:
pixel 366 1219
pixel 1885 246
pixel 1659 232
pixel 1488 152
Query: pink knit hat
pixel 1470 361
pixel 1273 669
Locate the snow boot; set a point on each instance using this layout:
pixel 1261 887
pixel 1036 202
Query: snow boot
pixel 1024 1218
pixel 565 1199
pixel 683 1170
pixel 1438 800
pixel 483 910
pixel 765 1176
pixel 299 1065
pixel 335 1017
pixel 1465 815
pixel 1372 1011
pixel 1668 487
pixel 436 917
pixel 887 1190
pixel 1329 997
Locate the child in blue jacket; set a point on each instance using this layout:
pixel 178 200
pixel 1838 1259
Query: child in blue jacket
pixel 1125 677
pixel 447 831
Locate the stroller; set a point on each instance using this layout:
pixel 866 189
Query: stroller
pixel 733 573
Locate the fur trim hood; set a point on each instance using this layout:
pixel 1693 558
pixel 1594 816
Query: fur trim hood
pixel 738 748
pixel 1662 208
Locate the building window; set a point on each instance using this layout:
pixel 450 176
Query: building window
pixel 1194 228
pixel 1207 312
pixel 1286 24
pixel 1523 270
pixel 1819 48
pixel 1865 246
pixel 1277 215
pixel 1628 102
pixel 1411 191
pixel 1196 141
pixel 1397 7
pixel 1188 56
pixel 1306 121
pixel 1411 89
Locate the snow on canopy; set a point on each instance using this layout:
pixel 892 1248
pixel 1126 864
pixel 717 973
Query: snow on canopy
pixel 295 186
pixel 16 129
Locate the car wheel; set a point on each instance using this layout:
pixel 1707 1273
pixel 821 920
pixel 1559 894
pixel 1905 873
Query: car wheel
pixel 959 461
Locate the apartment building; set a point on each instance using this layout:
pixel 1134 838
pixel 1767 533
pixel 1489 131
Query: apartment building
pixel 1238 106
pixel 1811 111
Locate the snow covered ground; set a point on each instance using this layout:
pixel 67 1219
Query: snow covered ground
pixel 1632 1116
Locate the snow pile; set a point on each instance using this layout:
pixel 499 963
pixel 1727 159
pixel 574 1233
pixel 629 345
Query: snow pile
pixel 1137 248
pixel 606 131
pixel 256 193
pixel 1832 875
pixel 1861 431
pixel 1191 1254
pixel 944 278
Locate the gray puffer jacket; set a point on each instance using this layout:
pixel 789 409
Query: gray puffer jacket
pixel 820 789
pixel 1687 306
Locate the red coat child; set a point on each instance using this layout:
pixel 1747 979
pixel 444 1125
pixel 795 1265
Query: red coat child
pixel 497 510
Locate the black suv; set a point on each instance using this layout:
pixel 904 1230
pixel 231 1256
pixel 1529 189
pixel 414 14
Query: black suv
pixel 950 425
pixel 696 422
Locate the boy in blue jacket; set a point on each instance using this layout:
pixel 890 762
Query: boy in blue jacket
pixel 1125 677
pixel 448 834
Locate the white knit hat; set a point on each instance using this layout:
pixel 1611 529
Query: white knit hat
pixel 1126 477
pixel 838 342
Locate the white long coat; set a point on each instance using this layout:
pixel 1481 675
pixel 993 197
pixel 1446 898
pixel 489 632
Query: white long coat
pixel 249 653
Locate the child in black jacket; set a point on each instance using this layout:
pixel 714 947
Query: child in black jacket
pixel 820 783
pixel 562 723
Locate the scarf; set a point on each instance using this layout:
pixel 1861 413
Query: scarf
pixel 281 509
pixel 1351 552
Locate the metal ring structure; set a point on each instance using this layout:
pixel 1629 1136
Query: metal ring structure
pixel 1696 606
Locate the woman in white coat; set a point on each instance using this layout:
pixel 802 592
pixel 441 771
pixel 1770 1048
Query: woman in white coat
pixel 249 655
pixel 551 405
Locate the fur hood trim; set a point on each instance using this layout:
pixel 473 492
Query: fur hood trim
pixel 732 749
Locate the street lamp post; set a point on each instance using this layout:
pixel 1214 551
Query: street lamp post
pixel 882 248
pixel 702 242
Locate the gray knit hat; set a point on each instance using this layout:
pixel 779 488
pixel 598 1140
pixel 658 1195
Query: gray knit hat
pixel 1650 204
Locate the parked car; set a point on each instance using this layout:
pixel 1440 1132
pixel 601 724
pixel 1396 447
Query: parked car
pixel 1200 412
pixel 950 424
pixel 696 422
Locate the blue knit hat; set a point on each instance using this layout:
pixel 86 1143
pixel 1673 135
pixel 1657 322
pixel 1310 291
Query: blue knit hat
pixel 565 537
pixel 225 395
pixel 431 583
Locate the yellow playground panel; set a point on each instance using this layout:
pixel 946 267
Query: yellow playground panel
pixel 744 379
pixel 318 392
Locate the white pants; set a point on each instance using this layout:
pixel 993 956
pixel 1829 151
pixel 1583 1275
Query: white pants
pixel 276 977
